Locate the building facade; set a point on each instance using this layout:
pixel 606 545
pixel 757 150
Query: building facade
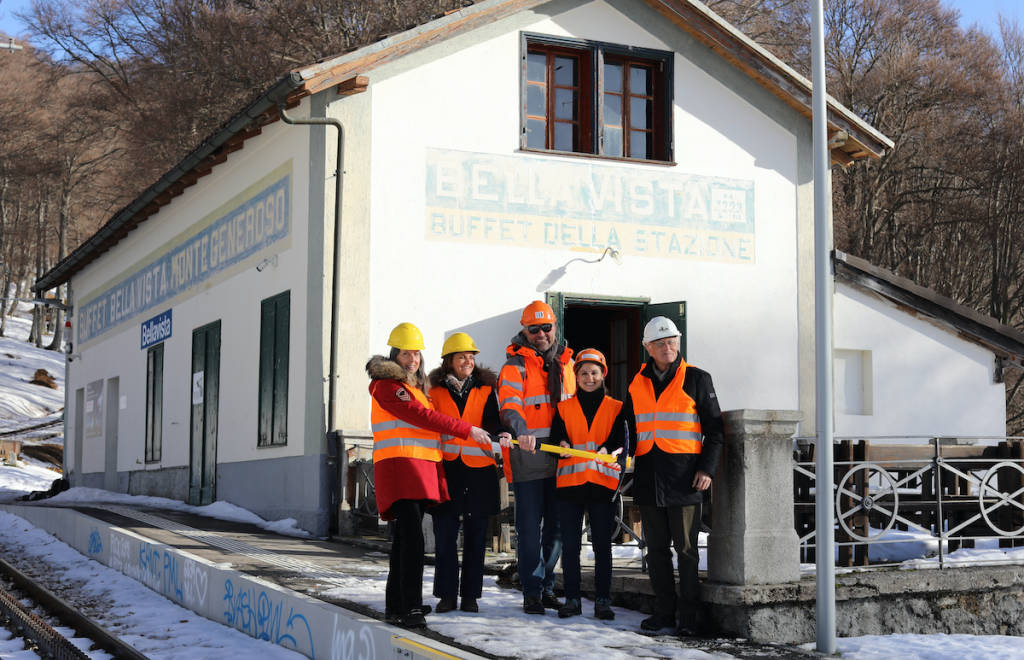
pixel 618 158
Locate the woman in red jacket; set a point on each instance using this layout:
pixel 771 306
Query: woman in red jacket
pixel 589 421
pixel 408 476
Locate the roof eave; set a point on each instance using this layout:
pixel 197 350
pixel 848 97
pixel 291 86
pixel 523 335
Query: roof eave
pixel 1003 340
pixel 121 223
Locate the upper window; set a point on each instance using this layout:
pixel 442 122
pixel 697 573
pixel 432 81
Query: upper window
pixel 595 98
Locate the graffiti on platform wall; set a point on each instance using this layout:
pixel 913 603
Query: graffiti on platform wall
pixel 266 616
pixel 95 542
pixel 183 580
pixel 347 644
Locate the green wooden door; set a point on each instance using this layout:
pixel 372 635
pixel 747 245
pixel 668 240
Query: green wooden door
pixel 205 395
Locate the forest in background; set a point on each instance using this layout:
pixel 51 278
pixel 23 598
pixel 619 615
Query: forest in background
pixel 107 95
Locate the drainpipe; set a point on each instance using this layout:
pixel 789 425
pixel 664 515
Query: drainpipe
pixel 332 437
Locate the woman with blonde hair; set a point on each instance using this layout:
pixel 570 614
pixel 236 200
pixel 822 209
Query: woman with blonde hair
pixel 408 477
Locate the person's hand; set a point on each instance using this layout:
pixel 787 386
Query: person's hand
pixel 602 450
pixel 565 444
pixel 505 439
pixel 480 436
pixel 528 443
pixel 701 480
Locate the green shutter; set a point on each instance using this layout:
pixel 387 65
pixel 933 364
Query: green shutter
pixel 154 402
pixel 275 315
pixel 280 426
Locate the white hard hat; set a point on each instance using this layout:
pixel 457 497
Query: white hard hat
pixel 658 328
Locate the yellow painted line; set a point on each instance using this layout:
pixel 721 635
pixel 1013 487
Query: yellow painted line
pixel 420 649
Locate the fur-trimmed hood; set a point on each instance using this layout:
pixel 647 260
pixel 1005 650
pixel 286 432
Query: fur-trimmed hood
pixel 482 376
pixel 382 368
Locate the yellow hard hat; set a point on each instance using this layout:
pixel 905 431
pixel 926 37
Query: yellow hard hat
pixel 406 337
pixel 460 342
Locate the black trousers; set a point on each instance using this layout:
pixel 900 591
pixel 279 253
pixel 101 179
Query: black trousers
pixel 678 526
pixel 446 565
pixel 602 524
pixel 405 575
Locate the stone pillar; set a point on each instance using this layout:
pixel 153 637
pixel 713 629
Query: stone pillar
pixel 753 540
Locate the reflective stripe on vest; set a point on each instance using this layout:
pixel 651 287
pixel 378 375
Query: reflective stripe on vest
pixel 396 438
pixel 574 470
pixel 472 453
pixel 671 421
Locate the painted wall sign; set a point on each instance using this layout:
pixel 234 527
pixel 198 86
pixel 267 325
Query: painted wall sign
pixel 534 202
pixel 156 329
pixel 249 223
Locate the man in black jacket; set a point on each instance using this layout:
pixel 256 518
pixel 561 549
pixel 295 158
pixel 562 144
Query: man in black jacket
pixel 677 434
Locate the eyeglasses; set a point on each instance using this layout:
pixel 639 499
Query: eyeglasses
pixel 534 329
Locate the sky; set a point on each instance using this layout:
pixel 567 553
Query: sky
pixel 982 12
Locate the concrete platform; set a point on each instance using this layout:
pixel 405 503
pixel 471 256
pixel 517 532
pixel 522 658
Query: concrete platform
pixel 272 586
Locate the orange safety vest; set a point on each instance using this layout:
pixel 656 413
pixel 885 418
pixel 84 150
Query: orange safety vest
pixel 574 470
pixel 671 421
pixel 524 389
pixel 473 453
pixel 395 438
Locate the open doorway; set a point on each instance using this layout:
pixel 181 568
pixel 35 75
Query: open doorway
pixel 615 327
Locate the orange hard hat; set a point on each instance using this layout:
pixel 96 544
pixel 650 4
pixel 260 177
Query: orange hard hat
pixel 591 355
pixel 536 313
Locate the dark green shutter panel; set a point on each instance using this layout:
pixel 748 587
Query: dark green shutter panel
pixel 266 386
pixel 280 426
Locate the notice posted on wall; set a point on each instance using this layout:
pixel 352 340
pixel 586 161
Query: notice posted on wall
pixel 197 387
pixel 523 201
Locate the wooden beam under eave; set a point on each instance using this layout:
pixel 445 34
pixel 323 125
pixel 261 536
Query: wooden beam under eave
pixel 354 85
pixel 840 157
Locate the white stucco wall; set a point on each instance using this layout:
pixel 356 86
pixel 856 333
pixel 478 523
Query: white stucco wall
pixel 926 380
pixel 742 321
pixel 232 297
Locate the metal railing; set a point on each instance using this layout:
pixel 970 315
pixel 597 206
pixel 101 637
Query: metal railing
pixel 917 499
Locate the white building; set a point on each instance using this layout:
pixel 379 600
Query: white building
pixel 490 157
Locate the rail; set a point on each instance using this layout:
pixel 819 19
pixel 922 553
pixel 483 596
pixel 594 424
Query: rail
pixel 921 498
pixel 50 642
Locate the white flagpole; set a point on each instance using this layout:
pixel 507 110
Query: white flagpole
pixel 823 285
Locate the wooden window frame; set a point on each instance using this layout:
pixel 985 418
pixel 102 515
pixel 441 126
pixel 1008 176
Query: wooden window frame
pixel 592 57
pixel 154 403
pixel 272 387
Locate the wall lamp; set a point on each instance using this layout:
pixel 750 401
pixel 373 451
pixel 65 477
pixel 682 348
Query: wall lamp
pixel 269 261
pixel 557 273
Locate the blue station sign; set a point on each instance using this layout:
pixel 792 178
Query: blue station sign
pixel 156 329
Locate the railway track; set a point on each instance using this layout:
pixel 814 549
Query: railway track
pixel 48 642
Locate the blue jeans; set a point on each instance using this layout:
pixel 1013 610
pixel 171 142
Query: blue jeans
pixel 538 543
pixel 602 524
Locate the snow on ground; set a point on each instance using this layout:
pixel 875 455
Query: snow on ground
pixel 152 624
pixel 20 401
pixel 161 629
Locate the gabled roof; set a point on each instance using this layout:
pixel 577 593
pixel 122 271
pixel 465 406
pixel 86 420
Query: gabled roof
pixel 1005 342
pixel 850 138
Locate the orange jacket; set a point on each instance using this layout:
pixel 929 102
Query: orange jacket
pixel 453 447
pixel 574 470
pixel 525 405
pixel 670 421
